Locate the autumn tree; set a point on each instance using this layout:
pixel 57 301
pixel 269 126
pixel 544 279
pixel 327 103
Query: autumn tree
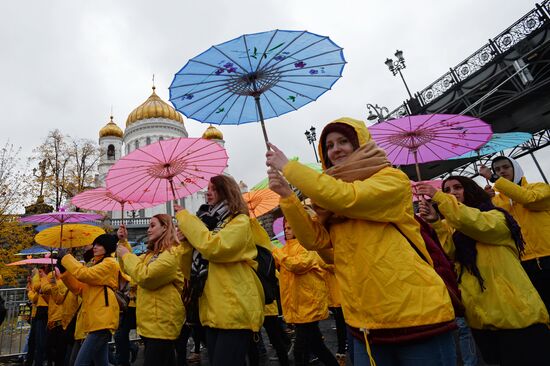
pixel 13 178
pixel 13 238
pixel 70 166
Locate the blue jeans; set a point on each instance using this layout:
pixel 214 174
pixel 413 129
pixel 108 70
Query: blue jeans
pixel 435 351
pixel 466 343
pixel 94 349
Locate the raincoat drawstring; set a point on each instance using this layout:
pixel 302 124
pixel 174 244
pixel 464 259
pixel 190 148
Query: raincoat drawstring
pixel 369 352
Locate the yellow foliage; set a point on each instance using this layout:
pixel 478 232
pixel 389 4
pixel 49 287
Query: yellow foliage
pixel 13 238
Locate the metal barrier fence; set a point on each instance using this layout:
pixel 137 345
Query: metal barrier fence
pixel 15 328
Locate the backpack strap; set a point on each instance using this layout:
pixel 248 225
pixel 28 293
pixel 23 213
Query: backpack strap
pixel 412 244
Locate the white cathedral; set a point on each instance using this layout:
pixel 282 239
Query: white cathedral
pixel 150 122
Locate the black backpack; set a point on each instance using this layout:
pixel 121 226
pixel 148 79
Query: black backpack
pixel 266 274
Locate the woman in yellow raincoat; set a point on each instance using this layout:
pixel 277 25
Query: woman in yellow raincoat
pixel 390 295
pixel 304 298
pixel 506 314
pixel 159 276
pixel 231 301
pixel 96 284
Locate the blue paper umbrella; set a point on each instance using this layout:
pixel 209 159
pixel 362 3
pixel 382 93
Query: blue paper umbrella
pixel 256 77
pixel 498 142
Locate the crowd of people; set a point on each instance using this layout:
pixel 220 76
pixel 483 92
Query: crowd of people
pixel 358 248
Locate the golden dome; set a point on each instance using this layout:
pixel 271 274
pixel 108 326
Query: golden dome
pixel 110 129
pixel 153 107
pixel 212 133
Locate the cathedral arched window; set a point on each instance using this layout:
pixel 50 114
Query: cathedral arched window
pixel 136 144
pixel 161 138
pixel 111 152
pixel 148 140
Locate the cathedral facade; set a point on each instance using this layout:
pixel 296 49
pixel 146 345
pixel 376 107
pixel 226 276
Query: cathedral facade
pixel 152 121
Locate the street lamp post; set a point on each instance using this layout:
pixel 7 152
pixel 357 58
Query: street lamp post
pixel 377 113
pixel 311 138
pixel 396 66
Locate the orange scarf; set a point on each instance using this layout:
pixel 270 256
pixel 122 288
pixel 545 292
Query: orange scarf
pixel 360 165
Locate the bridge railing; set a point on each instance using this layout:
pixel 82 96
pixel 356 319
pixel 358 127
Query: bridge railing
pixel 16 327
pixel 477 61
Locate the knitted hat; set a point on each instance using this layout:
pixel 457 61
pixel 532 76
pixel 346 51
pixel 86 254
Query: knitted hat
pixel 108 242
pixel 342 128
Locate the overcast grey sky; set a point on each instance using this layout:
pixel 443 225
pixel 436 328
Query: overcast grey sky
pixel 65 63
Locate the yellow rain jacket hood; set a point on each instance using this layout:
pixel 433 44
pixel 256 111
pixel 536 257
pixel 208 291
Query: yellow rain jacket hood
pixel 383 281
pixel 304 294
pixel 529 204
pixel 509 300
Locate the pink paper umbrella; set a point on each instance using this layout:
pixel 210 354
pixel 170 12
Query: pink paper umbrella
pixel 166 170
pixel 279 230
pixel 101 199
pixel 61 217
pixel 425 138
pixel 33 261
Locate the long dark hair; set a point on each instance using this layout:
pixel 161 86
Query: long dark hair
pixel 228 190
pixel 466 251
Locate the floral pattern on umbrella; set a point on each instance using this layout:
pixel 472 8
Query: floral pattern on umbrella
pixel 166 170
pixel 425 138
pixel 72 236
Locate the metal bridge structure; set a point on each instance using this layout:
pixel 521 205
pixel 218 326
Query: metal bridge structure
pixel 506 83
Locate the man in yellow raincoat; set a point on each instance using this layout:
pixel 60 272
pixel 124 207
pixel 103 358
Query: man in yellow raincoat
pixel 529 204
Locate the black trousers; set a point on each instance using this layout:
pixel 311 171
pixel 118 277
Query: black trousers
pixel 527 346
pixel 227 347
pixel 56 345
pixel 310 340
pixel 159 352
pixel 276 338
pixel 341 329
pixel 539 274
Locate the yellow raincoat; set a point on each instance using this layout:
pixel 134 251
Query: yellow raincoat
pixel 69 308
pixel 92 283
pixel 334 293
pixel 233 296
pixel 159 307
pixel 56 295
pixel 39 299
pixel 509 301
pixel 304 293
pixel 529 204
pixel 384 282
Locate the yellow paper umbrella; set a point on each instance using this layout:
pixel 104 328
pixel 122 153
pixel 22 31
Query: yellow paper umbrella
pixel 72 236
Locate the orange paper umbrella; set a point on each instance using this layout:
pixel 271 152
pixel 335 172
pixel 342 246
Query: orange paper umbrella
pixel 261 201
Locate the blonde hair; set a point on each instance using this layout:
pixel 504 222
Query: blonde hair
pixel 168 239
